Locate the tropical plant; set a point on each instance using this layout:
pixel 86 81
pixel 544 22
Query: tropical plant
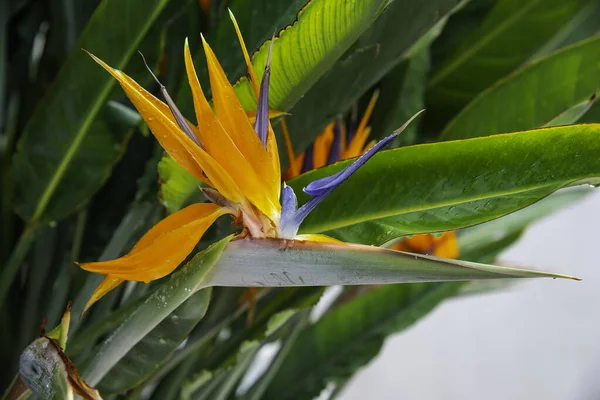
pixel 203 258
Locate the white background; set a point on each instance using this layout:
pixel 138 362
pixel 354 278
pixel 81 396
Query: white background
pixel 540 340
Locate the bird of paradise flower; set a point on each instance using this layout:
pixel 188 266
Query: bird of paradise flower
pixel 238 160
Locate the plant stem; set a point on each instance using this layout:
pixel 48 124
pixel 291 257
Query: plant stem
pixel 16 259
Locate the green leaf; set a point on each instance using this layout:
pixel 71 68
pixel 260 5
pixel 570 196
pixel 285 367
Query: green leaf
pixel 483 242
pixel 449 185
pixel 269 263
pixel 584 24
pixel 66 151
pixel 178 187
pixel 303 52
pixel 374 54
pixel 161 303
pixel 258 20
pixel 348 337
pixel 507 37
pixel 533 96
pixel 157 345
pixel 402 95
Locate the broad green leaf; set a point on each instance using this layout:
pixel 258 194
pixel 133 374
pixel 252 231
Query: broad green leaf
pixel 257 390
pixel 533 96
pixel 507 37
pixel 584 24
pixel 161 303
pixel 348 337
pixel 178 187
pixel 66 152
pixel 231 371
pixel 483 242
pixel 272 263
pixel 157 345
pixel 258 21
pixel 450 185
pixel 402 94
pixel 303 52
pixel 373 55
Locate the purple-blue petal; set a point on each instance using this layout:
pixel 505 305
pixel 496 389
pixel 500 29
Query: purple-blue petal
pixel 308 163
pixel 324 185
pixel 335 152
pixel 261 124
pixel 289 207
pixel 179 118
pixel 318 187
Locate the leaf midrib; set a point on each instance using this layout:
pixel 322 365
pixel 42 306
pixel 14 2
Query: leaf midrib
pixel 82 131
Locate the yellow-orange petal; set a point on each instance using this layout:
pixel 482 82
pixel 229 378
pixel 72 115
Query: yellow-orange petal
pixel 249 65
pixel 356 146
pixel 293 166
pixel 179 146
pixel 107 284
pixel 271 145
pixel 164 247
pixel 317 237
pixel 445 245
pixel 235 121
pixel 322 146
pixel 160 120
pixel 273 153
pixel 221 147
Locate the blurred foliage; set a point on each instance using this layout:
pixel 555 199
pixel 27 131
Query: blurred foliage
pixel 82 179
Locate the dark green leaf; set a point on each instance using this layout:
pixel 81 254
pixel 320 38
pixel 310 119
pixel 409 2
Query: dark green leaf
pixel 303 52
pixel 169 295
pixel 375 53
pixel 157 345
pixel 66 152
pixel 347 338
pixel 533 96
pixel 507 37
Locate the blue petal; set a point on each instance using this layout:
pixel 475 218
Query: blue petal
pixel 289 206
pixel 323 185
pixel 308 163
pixel 261 124
pixel 181 121
pixel 335 152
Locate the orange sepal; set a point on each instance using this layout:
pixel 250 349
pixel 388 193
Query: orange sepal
pixel 161 122
pixel 163 247
pixel 108 284
pixel 219 144
pixel 232 116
